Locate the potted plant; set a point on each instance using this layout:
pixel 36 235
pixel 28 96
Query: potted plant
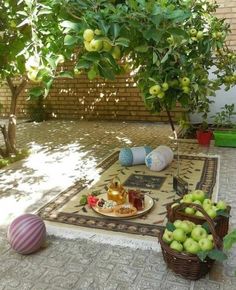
pixel 204 134
pixel 225 135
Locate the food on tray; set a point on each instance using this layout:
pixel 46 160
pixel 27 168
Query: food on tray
pixel 125 210
pixel 136 198
pixel 106 206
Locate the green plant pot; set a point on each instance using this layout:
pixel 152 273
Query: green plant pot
pixel 225 138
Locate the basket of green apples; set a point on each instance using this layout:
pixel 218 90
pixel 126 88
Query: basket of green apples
pixel 219 211
pixel 190 249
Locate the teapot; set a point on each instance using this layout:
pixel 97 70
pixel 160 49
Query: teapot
pixel 116 192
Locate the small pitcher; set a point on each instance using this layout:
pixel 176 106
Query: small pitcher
pixel 117 192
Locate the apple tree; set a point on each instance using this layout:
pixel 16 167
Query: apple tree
pixel 169 45
pixel 31 47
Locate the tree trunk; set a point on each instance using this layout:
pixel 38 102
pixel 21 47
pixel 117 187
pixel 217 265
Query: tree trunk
pixel 9 134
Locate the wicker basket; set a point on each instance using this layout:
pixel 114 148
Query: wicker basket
pixel 221 222
pixel 188 265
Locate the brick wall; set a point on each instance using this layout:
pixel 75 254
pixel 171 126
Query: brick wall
pixel 80 98
pixel 227 10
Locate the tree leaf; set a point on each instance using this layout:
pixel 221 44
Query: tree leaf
pixel 83 64
pixel 72 25
pixel 178 32
pixel 115 30
pixel 36 92
pixel 122 41
pixel 217 255
pixel 164 59
pixel 141 48
pixel 70 40
pixel 66 74
pixel 154 58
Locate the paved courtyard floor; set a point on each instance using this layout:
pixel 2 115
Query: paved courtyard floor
pixel 62 152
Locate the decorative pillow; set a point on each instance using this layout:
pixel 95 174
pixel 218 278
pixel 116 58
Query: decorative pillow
pixel 159 158
pixel 134 155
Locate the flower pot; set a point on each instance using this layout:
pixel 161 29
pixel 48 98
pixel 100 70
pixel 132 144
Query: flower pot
pixel 225 138
pixel 204 137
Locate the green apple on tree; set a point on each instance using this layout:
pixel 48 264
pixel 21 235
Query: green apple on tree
pixel 88 35
pixel 154 90
pixel 199 35
pixel 115 52
pixel 165 86
pixel 167 236
pixel 186 89
pixel 206 244
pixel 199 233
pixel 97 32
pixel 161 95
pixel 87 46
pixel 177 246
pixel 96 44
pixel 193 32
pixel 179 235
pixel 106 45
pixel 185 81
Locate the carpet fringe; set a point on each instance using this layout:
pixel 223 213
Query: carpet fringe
pixel 139 242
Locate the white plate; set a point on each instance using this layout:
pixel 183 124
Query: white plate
pixel 149 203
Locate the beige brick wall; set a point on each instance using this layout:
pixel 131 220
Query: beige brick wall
pixel 80 98
pixel 227 10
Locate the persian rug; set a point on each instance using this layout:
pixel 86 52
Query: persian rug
pixel 200 171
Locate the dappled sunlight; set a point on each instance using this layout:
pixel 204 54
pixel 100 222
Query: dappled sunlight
pixel 43 171
pixel 124 139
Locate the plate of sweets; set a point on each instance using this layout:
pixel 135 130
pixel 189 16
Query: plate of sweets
pixel 136 204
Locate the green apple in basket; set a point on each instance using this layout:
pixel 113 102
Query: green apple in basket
pixel 221 205
pixel 191 246
pixel 177 246
pixel 199 233
pixel 186 226
pixel 179 235
pixel 198 195
pixel 206 244
pixel 167 236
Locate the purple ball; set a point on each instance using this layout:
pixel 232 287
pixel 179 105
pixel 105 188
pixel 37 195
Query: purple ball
pixel 26 233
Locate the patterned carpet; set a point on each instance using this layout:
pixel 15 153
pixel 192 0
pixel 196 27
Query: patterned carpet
pixel 199 171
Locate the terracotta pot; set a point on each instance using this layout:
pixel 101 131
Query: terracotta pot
pixel 204 137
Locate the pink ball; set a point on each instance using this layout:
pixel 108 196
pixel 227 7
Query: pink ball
pixel 26 233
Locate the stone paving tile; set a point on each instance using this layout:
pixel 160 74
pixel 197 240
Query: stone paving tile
pixel 205 284
pixel 82 264
pixel 174 286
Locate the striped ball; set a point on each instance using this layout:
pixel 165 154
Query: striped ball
pixel 27 233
